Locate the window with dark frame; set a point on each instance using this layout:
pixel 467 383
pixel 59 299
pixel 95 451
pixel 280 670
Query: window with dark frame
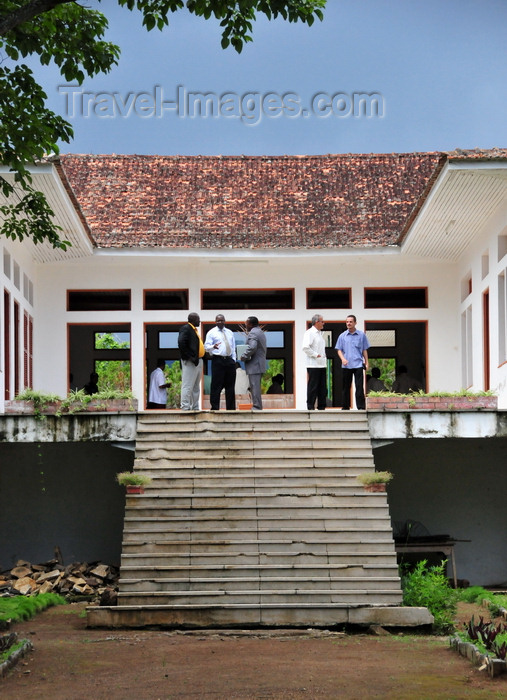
pixel 104 300
pixel 247 299
pixel 328 298
pixel 165 299
pixel 396 298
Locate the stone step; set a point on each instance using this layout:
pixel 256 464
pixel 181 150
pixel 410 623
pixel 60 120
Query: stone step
pixel 280 583
pixel 314 546
pixel 231 513
pixel 234 436
pixel 253 524
pixel 288 467
pixel 258 615
pixel 151 563
pixel 355 497
pixel 229 424
pixel 243 531
pixel 261 445
pixel 246 458
pixel 169 497
pixel 314 597
pixel 188 488
pixel 305 418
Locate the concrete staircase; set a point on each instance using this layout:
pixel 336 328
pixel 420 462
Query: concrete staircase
pixel 256 519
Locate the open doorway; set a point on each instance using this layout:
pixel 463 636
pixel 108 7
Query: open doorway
pixel 396 343
pixel 103 349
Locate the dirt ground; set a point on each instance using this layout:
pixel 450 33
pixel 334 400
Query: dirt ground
pixel 71 662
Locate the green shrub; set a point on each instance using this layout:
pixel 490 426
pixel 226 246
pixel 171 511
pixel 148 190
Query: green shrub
pixel 428 587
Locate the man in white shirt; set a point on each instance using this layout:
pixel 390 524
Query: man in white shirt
pixel 221 345
pixel 314 348
pixel 157 394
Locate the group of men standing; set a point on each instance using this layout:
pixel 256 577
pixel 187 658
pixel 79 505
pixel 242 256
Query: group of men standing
pixel 352 348
pixel 220 344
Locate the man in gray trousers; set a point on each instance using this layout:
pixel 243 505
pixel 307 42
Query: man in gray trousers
pixel 254 358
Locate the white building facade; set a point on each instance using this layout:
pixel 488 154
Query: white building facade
pixel 434 300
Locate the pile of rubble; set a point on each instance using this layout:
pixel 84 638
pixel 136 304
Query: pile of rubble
pixel 93 580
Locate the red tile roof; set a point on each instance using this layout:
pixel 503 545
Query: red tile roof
pixel 478 154
pixel 250 202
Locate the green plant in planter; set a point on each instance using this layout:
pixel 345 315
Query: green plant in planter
pixel 39 399
pixel 133 479
pixel 374 478
pixel 78 400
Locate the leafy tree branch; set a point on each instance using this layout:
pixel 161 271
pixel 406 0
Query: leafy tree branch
pixel 71 35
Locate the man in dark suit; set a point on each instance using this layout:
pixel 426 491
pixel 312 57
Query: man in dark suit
pixel 191 351
pixel 254 358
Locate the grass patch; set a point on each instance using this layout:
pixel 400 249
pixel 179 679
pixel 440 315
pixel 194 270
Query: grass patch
pixel 23 608
pixel 477 594
pixel 8 652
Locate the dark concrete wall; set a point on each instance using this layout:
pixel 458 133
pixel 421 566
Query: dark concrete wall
pixel 61 494
pixel 455 487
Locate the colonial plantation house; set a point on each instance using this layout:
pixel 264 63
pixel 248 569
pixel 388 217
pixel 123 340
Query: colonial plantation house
pixel 414 244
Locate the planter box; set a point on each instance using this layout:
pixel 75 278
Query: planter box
pixel 431 403
pixel 95 406
pixel 375 488
pixel 134 488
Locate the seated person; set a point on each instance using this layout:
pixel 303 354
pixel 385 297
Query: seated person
pixel 92 386
pixel 276 385
pixel 374 383
pixel 404 383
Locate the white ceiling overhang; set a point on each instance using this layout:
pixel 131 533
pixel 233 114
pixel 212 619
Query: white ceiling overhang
pixel 46 179
pixel 464 198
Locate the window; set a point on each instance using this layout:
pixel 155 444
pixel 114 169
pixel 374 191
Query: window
pixel 27 350
pixel 484 266
pixel 396 298
pixel 466 286
pixel 165 299
pixel 168 340
pixel 112 340
pixel 328 299
pixel 382 338
pixel 7 264
pixel 110 300
pixel 102 348
pixel 7 345
pixel 275 339
pixel 247 299
pixel 502 320
pixel 17 358
pixel 113 374
pixel 466 345
pixel 502 246
pixel 17 276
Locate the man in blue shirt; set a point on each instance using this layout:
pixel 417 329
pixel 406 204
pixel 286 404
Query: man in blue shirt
pixel 352 347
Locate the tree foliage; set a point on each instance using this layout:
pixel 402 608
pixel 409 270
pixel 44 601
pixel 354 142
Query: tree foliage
pixel 113 374
pixel 71 35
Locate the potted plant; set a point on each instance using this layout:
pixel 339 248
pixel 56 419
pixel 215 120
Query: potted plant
pixel 134 482
pixel 375 481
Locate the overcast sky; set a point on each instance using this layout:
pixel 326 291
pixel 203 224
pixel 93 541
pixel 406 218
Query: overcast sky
pixel 375 76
